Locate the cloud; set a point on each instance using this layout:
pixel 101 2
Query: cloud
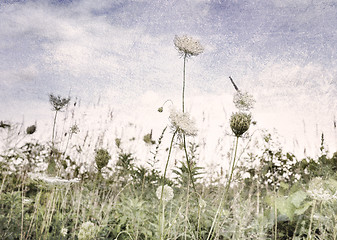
pixel 18 76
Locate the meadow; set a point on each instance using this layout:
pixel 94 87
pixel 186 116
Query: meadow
pixel 57 189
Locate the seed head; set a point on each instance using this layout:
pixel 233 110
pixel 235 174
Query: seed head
pixel 240 123
pixel 188 46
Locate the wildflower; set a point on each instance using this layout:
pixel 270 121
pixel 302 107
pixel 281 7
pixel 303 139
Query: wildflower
pixel 318 191
pixel 240 123
pixel 188 46
pixel 182 123
pixel 243 101
pixel 57 102
pixel 64 231
pixel 167 193
pixel 87 231
pixel 74 129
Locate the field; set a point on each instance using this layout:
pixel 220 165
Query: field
pixel 60 189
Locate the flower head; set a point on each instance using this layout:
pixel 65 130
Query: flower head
pixel 87 231
pixel 58 102
pixel 167 193
pixel 240 123
pixel 182 123
pixel 319 191
pixel 243 101
pixel 188 46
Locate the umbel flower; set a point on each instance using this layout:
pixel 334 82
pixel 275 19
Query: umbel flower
pixel 188 46
pixel 87 231
pixel 167 193
pixel 182 123
pixel 240 123
pixel 243 101
pixel 319 191
pixel 57 102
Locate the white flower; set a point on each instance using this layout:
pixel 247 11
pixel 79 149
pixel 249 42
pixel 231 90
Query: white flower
pixel 64 231
pixel 87 231
pixel 182 123
pixel 188 45
pixel 318 190
pixel 167 193
pixel 243 101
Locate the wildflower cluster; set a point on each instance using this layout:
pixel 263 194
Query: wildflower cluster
pixel 188 46
pixel 182 123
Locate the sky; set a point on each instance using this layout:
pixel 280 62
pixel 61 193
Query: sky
pixel 119 55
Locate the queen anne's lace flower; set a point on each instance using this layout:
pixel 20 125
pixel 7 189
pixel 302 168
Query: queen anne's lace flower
pixel 167 193
pixel 182 123
pixel 188 45
pixel 87 231
pixel 243 101
pixel 319 192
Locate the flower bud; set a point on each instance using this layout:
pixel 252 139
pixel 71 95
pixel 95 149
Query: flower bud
pixel 240 123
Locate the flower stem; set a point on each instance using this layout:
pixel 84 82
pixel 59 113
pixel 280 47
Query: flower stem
pixel 184 78
pixel 161 205
pixel 225 192
pixel 311 219
pixel 188 164
pixel 53 136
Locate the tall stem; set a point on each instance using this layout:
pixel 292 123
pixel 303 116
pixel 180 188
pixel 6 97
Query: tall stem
pixel 188 164
pixel 161 205
pixel 311 219
pixel 225 192
pixel 52 139
pixel 184 78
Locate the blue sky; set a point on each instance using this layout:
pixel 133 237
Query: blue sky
pixel 121 51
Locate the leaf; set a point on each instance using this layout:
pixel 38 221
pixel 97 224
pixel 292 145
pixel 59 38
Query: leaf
pixel 297 198
pixel 284 205
pixel 300 211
